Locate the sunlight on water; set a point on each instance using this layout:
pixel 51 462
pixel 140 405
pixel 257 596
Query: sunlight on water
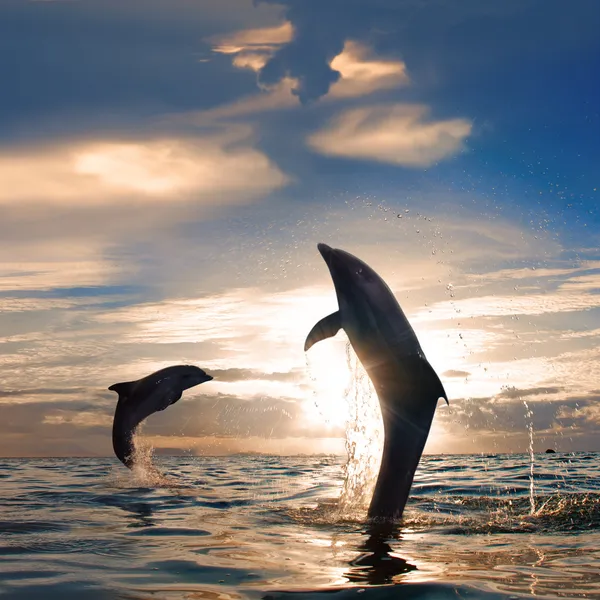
pixel 364 438
pixel 248 527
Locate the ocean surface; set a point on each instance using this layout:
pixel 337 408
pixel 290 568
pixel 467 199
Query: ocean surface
pixel 274 527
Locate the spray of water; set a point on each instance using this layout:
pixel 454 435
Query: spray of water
pixel 143 473
pixel 529 419
pixel 364 438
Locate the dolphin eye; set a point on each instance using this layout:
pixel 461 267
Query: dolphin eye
pixel 359 272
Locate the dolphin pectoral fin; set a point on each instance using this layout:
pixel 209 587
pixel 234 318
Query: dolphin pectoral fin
pixel 325 328
pixel 434 383
pixel 123 389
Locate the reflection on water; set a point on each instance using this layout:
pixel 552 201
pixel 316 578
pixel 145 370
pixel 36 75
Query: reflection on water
pixel 379 565
pixel 248 527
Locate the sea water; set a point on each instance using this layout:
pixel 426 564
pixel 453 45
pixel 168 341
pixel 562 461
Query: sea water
pixel 252 526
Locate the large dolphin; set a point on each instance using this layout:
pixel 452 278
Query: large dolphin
pixel 139 399
pixel 407 386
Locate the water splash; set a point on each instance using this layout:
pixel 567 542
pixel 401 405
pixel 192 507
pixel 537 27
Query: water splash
pixel 529 417
pixel 364 438
pixel 144 473
pixel 340 376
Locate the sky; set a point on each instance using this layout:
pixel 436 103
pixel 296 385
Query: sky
pixel 167 168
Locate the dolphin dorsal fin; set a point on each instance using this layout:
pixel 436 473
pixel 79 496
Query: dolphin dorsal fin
pixel 123 389
pixel 325 328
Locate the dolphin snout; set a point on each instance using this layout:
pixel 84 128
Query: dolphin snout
pixel 325 250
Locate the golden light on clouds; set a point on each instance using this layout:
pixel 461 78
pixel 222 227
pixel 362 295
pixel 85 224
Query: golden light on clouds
pixel 394 133
pixel 259 38
pixel 361 73
pixel 217 445
pixel 99 172
pixel 468 334
pixel 252 48
pixel 52 274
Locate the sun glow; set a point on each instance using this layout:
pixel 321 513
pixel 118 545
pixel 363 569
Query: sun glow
pixel 330 378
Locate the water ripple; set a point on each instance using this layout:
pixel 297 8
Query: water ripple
pixel 250 527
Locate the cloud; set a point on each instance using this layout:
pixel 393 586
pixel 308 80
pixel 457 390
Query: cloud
pixel 549 417
pixel 362 73
pixel 455 373
pixel 295 59
pixel 251 337
pixel 49 267
pixel 262 38
pixel 510 305
pixel 41 392
pixel 43 427
pixel 535 273
pixel 395 133
pixel 114 65
pixel 437 39
pixel 235 375
pixel 515 393
pixel 211 169
pixel 216 446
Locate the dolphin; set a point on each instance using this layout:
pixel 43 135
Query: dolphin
pixel 139 399
pixel 407 386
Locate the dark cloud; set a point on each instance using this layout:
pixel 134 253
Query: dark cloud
pixel 29 423
pixel 230 375
pixel 100 65
pixel 224 415
pixel 522 393
pixel 93 292
pixel 306 58
pixel 488 414
pixel 41 392
pixel 438 39
pixel 50 419
pixel 455 373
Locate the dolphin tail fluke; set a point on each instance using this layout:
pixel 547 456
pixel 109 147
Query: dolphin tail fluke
pixel 123 444
pixel 325 328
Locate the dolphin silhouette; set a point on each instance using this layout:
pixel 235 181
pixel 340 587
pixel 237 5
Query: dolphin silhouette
pixel 407 386
pixel 139 399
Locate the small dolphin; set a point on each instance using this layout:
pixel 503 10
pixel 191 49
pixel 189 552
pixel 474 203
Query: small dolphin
pixel 139 399
pixel 407 386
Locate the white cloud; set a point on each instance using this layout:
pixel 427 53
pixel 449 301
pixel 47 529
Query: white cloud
pixel 505 306
pixel 396 134
pixel 108 171
pixel 533 273
pixel 46 273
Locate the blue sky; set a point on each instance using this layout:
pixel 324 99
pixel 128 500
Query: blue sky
pixel 167 169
